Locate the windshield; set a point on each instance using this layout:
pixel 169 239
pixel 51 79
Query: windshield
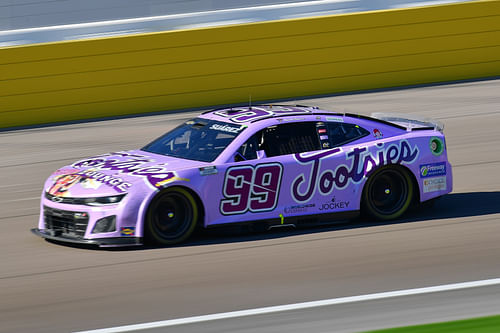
pixel 198 139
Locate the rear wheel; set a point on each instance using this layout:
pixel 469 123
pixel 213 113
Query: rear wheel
pixel 171 217
pixel 388 193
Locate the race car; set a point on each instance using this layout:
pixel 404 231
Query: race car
pixel 267 165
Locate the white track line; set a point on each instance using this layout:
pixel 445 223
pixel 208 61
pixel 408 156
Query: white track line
pixel 296 306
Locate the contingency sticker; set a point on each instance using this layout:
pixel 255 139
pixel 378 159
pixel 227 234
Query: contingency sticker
pixel 436 145
pixel 127 231
pixel 377 134
pixel 208 170
pixel 336 119
pixel 432 170
pixel 434 184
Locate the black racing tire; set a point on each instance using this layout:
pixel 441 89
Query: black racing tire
pixel 172 217
pixel 388 193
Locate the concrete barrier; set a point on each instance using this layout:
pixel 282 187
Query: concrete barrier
pixel 117 76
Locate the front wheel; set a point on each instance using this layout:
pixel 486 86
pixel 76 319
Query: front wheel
pixel 171 217
pixel 388 193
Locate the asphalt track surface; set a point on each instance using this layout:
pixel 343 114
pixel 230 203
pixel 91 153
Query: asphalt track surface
pixel 49 287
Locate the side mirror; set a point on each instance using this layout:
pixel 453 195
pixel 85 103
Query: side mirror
pixel 261 154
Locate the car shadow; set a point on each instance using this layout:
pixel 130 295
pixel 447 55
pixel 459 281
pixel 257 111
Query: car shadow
pixel 456 205
pixel 450 206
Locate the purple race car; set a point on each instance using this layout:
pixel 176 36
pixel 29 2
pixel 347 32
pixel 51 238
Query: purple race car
pixel 270 165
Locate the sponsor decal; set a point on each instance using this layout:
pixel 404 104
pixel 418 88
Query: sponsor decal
pixel 117 183
pixel 249 188
pixel 133 166
pixel 89 183
pixel 57 199
pixel 323 137
pixel 436 145
pixel 335 119
pixel 227 128
pixel 322 131
pixel 63 183
pixel 433 169
pixel 127 231
pixel 300 208
pixel 65 171
pixel 326 145
pixel 377 133
pixel 294 119
pixel 241 115
pixel 208 170
pixel 362 164
pixel 434 184
pixel 334 205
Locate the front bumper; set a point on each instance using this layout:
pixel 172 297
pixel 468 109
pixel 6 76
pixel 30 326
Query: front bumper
pixel 101 242
pixel 75 223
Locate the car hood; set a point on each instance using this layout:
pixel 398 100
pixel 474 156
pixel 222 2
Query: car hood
pixel 118 173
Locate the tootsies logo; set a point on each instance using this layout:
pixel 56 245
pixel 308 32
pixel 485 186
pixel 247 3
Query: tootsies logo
pixel 363 163
pixel 133 166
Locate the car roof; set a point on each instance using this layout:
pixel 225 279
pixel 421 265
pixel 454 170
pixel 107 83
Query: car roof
pixel 254 113
pixel 246 115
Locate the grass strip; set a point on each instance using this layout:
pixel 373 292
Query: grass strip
pixel 476 325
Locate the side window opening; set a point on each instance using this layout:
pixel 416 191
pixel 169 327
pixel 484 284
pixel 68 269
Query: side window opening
pixel 282 139
pixel 248 150
pixel 291 138
pixel 343 133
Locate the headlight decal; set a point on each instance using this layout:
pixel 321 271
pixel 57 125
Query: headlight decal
pixel 95 201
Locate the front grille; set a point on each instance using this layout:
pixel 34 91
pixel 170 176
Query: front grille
pixel 65 223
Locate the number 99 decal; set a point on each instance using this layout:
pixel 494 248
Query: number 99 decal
pixel 251 188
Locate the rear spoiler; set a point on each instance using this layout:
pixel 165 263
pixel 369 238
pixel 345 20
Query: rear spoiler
pixel 410 122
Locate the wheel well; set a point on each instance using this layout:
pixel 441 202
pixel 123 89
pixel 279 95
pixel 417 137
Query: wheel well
pixel 416 188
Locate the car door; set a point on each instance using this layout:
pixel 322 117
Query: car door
pixel 252 186
pixel 330 181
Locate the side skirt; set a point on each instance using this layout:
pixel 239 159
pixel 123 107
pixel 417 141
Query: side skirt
pixel 302 221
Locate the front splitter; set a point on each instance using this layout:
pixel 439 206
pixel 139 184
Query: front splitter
pixel 101 242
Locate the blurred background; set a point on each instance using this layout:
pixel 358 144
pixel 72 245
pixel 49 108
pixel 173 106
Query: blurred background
pixel 69 19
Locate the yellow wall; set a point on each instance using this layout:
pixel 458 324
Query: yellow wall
pixel 193 68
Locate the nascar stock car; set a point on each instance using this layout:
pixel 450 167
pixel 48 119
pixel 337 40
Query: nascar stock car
pixel 271 165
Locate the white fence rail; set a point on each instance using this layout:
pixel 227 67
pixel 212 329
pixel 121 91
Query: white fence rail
pixel 47 16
